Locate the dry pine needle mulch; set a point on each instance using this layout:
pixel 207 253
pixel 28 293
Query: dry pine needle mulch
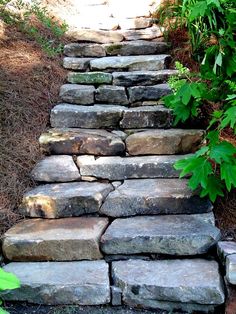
pixel 29 86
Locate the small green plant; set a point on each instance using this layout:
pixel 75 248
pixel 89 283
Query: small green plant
pixel 8 281
pixel 34 20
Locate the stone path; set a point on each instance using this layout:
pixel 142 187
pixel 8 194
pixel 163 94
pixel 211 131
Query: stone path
pixel 128 230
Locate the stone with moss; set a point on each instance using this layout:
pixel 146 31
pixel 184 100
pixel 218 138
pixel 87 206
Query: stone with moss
pixel 89 78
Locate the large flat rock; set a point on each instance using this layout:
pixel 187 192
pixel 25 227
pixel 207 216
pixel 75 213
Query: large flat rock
pixel 155 197
pixel 81 141
pixel 147 117
pixel 147 33
pixel 135 23
pixel 84 283
pixel 79 64
pixel 77 94
pixel 56 169
pixel 169 234
pixel 189 285
pixel 135 48
pixel 141 77
pixel 130 63
pixel 231 268
pixel 154 92
pixel 97 36
pixel 98 116
pixel 111 94
pixel 96 78
pixel 84 50
pixel 164 142
pixel 64 239
pixel 65 199
pixel 121 168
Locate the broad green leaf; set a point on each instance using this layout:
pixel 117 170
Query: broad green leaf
pixel 202 151
pixel 218 61
pixel 213 137
pixel 188 165
pixel 2 311
pixel 198 10
pixel 8 281
pixel 186 93
pixel 229 118
pixel 223 151
pixel 228 174
pixel 213 189
pixel 200 175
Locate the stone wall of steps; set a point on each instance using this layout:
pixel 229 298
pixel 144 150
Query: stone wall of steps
pixel 110 221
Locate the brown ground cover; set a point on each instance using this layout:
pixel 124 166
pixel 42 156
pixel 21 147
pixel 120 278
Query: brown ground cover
pixel 29 85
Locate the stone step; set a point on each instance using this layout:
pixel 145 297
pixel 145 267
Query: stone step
pixel 163 142
pixel 186 285
pixel 176 235
pixel 95 78
pixel 110 94
pixel 150 33
pixel 78 94
pixel 154 197
pixel 121 168
pixel 142 78
pixel 66 239
pixel 110 116
pixel 82 141
pixel 93 35
pixel 130 63
pixel 56 169
pixel 54 283
pixel 65 199
pixel 126 48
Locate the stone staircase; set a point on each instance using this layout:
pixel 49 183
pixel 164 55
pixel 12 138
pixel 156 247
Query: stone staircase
pixel 128 230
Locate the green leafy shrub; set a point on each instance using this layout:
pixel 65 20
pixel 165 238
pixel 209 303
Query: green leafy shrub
pixel 212 28
pixel 34 20
pixel 8 281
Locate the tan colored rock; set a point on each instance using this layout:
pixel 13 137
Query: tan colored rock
pixel 81 141
pixel 97 36
pixel 135 23
pixel 164 142
pixel 65 239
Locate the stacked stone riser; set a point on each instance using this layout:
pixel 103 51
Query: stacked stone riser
pixel 110 221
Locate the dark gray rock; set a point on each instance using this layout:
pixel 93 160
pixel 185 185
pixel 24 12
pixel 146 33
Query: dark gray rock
pixel 154 197
pixel 116 296
pixel 188 285
pixel 84 283
pixel 112 95
pixel 81 141
pixel 65 199
pixel 164 142
pixel 79 64
pixel 146 117
pixel 131 63
pixel 65 239
pixel 98 116
pixel 84 50
pixel 96 78
pixel 134 48
pixel 121 168
pixel 154 92
pixel 141 77
pixel 169 234
pixel 56 169
pixel 77 94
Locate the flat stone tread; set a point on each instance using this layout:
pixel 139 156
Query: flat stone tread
pixel 82 141
pixel 125 61
pixel 186 280
pixel 183 235
pixel 55 240
pixel 156 197
pixel 84 282
pixel 56 169
pixel 76 228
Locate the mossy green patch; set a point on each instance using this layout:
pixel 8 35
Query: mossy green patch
pixel 90 78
